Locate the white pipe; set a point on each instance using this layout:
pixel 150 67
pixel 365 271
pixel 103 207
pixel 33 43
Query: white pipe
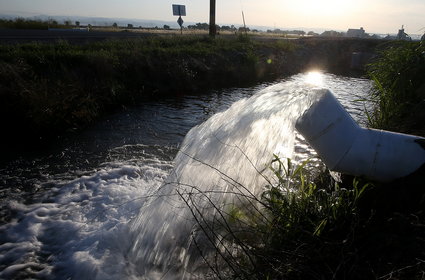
pixel 347 148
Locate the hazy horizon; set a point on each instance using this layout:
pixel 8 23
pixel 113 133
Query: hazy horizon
pixel 375 16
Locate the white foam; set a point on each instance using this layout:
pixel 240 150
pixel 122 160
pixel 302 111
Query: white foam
pixel 80 228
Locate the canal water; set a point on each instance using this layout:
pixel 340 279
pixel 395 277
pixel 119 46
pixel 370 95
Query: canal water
pixel 103 204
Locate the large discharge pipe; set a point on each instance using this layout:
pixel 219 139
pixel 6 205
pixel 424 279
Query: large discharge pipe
pixel 347 148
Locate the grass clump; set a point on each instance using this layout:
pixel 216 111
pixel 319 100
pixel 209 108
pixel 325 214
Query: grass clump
pixel 399 94
pixel 306 226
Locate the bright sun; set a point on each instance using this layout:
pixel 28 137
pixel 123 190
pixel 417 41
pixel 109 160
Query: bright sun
pixel 314 78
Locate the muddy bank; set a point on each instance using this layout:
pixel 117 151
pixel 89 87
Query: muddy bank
pixel 50 89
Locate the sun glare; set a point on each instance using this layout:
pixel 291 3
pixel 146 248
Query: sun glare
pixel 314 78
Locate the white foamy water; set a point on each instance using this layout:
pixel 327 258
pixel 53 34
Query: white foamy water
pixel 130 219
pixel 79 229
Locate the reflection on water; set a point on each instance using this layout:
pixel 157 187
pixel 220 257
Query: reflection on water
pixel 315 78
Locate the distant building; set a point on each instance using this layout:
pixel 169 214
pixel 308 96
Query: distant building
pixel 356 33
pixel 402 35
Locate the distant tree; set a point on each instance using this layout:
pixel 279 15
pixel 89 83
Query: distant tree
pixel 68 22
pixel 298 32
pixel 199 26
pixel 166 27
pixel 53 22
pixel 243 29
pixel 311 33
pixel 77 23
pixel 115 25
pixel 332 33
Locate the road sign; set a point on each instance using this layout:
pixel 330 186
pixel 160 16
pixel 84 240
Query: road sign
pixel 180 21
pixel 179 10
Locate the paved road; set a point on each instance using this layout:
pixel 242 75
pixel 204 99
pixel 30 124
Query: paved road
pixel 75 36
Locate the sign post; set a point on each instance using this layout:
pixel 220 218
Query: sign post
pixel 179 10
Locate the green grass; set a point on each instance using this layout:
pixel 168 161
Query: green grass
pixel 299 228
pixel 309 226
pixel 399 95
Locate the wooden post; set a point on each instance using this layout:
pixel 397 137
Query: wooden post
pixel 213 29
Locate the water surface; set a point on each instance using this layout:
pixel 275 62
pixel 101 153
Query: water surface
pixel 66 213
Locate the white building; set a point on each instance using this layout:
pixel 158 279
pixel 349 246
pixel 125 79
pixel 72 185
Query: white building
pixel 356 33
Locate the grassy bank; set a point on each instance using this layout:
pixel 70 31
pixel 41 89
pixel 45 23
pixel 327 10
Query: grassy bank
pixel 22 23
pixel 47 89
pixel 399 93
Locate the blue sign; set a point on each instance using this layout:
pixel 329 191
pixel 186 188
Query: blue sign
pixel 179 10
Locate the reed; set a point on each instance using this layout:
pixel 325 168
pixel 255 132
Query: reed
pixel 298 229
pixel 399 88
pixel 309 226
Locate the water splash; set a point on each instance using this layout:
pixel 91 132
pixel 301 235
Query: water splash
pixel 223 158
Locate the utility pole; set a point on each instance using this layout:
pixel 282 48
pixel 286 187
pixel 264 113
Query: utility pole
pixel 213 29
pixel 244 25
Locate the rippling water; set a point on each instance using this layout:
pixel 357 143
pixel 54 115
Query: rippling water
pixel 66 213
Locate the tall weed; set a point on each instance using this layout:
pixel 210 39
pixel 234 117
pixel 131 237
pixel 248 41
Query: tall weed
pixel 399 92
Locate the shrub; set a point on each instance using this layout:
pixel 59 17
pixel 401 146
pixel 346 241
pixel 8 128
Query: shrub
pixel 399 94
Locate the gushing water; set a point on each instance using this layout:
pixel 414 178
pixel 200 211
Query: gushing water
pixel 137 216
pixel 223 158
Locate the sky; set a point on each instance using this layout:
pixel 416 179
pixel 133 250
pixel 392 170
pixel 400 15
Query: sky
pixel 375 16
